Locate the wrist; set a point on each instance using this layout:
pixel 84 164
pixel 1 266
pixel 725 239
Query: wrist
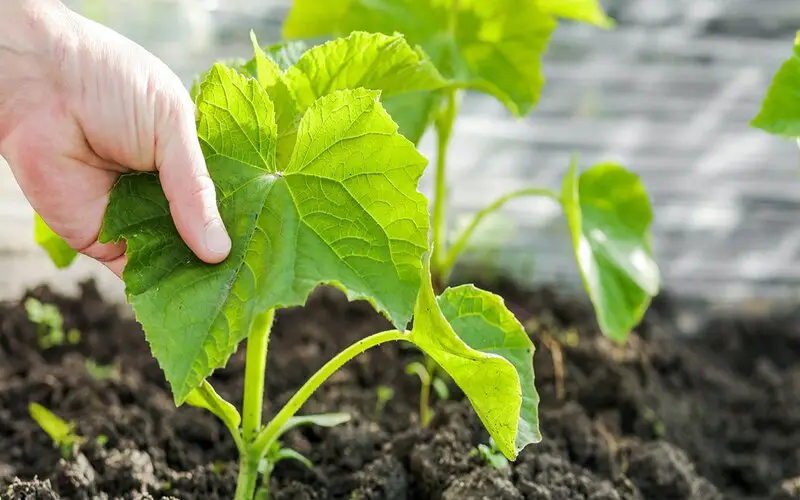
pixel 35 37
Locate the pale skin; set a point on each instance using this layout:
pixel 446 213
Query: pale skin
pixel 79 105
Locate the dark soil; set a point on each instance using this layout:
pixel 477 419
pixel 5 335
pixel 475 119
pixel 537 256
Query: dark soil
pixel 666 417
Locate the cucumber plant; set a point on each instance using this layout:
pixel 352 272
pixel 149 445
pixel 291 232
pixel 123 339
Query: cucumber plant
pixel 316 186
pixel 496 48
pixel 780 110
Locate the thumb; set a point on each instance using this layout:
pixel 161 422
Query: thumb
pixel 186 183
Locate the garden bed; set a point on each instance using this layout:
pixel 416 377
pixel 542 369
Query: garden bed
pixel 666 417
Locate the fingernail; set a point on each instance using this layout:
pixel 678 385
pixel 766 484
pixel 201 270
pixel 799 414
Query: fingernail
pixel 217 239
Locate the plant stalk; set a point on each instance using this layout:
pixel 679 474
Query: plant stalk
pixel 248 478
pixel 271 432
pixel 255 369
pixel 455 251
pixel 444 131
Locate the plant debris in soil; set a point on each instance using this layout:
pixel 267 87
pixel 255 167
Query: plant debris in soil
pixel 713 416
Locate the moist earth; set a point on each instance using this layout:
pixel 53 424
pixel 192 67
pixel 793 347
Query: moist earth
pixel 714 415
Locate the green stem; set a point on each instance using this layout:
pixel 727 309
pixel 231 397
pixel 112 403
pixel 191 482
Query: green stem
pixel 444 131
pixel 248 478
pixel 425 375
pixel 455 251
pixel 255 368
pixel 425 402
pixel 271 432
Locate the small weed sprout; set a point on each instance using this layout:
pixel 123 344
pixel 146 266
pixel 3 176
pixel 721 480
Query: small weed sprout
pixel 491 455
pixel 61 432
pixel 50 324
pixel 384 394
pixel 429 380
pixel 101 372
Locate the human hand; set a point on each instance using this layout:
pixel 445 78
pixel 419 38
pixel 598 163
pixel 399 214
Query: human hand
pixel 80 105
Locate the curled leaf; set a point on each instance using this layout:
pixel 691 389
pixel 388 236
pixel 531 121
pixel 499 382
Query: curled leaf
pixel 609 217
pixel 478 342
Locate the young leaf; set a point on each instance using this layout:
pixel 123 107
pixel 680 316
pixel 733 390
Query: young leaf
pixel 287 114
pixel 286 54
pixel 369 60
pixel 57 249
pixel 609 217
pixel 345 211
pixel 290 454
pixel 323 420
pixel 362 60
pixel 492 46
pixel 780 111
pixel 588 11
pixel 479 343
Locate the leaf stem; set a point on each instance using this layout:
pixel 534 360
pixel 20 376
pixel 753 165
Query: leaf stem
pixel 255 368
pixel 271 432
pixel 444 131
pixel 426 414
pixel 455 251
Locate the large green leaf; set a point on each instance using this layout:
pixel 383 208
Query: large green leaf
pixel 492 46
pixel 344 211
pixel 609 217
pixel 479 343
pixel 780 111
pixel 588 11
pixel 57 249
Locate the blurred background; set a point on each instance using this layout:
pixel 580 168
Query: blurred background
pixel 669 93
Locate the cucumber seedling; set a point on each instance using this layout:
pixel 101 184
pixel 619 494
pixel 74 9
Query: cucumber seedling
pixel 316 186
pixel 496 48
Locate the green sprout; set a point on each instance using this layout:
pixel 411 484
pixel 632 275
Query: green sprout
pixel 101 372
pixel 61 432
pixel 491 455
pixel 429 379
pixel 50 324
pixel 384 394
